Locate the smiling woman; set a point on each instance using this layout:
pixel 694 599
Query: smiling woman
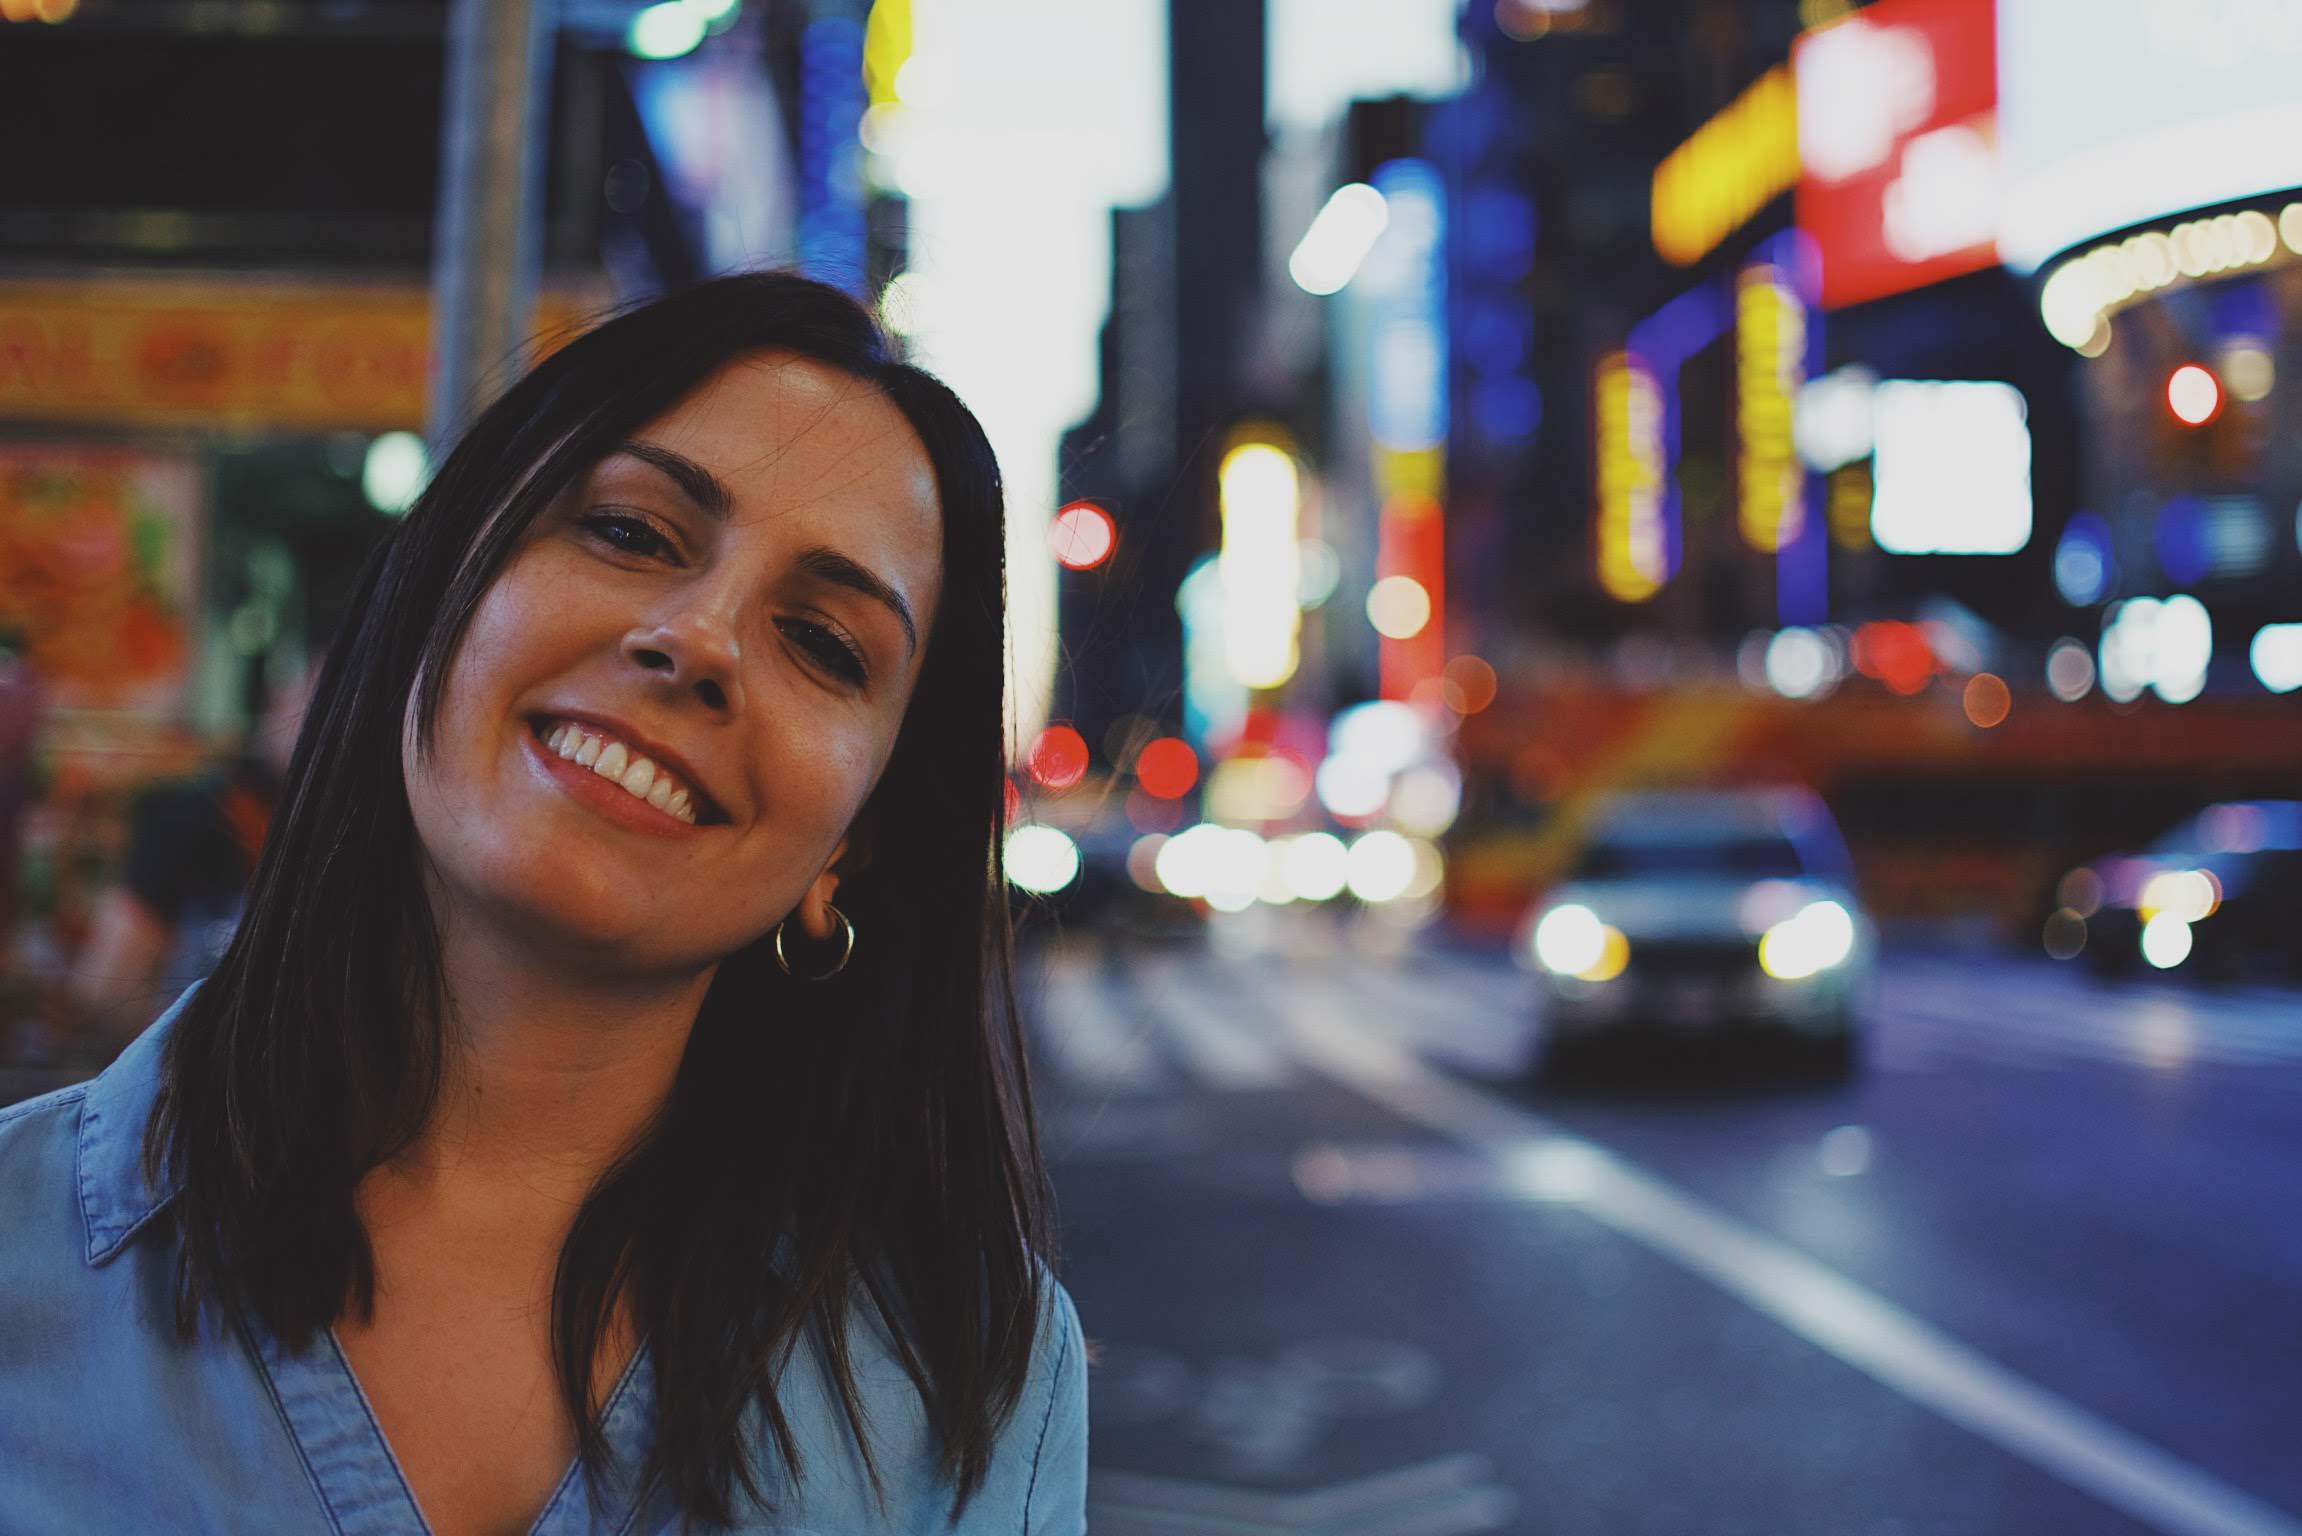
pixel 611 1112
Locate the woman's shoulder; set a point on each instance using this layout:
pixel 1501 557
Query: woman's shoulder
pixel 39 1155
pixel 1038 1477
pixel 1035 1482
pixel 73 1188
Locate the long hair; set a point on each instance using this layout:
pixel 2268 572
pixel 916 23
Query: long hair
pixel 828 1151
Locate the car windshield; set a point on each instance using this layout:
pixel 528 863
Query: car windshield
pixel 1743 857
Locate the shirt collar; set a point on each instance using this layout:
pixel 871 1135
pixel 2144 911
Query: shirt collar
pixel 116 1199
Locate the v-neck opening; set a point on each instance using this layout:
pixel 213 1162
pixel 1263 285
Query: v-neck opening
pixel 358 1477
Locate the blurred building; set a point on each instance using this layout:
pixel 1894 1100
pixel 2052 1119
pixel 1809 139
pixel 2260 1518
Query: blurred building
pixel 216 250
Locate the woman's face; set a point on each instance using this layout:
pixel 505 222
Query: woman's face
pixel 739 597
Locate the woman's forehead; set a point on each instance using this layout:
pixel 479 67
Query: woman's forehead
pixel 790 438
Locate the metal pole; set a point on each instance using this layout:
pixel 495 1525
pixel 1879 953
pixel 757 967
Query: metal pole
pixel 485 245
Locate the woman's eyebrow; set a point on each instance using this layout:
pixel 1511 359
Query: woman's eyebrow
pixel 695 482
pixel 821 561
pixel 827 564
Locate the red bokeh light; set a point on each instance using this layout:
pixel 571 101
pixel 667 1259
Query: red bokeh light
pixel 1896 654
pixel 1167 767
pixel 1082 536
pixel 1059 757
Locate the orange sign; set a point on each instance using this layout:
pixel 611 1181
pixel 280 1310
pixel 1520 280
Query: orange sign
pixel 282 356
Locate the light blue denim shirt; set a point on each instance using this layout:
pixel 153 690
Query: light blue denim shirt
pixel 108 1424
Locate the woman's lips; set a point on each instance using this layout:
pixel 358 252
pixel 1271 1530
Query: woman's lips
pixel 610 800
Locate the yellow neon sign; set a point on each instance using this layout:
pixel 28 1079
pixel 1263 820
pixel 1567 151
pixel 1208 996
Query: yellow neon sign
pixel 1627 413
pixel 1733 166
pixel 1770 364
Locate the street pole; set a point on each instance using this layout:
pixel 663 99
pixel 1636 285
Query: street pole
pixel 485 237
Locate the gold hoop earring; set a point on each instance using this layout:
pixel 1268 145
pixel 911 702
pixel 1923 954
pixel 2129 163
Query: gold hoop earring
pixel 846 947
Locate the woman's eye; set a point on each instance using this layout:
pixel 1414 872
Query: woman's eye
pixel 829 648
pixel 626 533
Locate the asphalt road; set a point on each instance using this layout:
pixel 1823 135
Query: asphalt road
pixel 1349 1268
pixel 2037 1268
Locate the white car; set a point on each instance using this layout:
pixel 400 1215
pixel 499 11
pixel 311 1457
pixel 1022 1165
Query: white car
pixel 1699 913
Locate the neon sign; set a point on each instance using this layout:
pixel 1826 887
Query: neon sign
pixel 1627 411
pixel 1770 365
pixel 1733 166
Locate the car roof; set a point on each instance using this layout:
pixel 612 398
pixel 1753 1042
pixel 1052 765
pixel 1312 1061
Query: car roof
pixel 2245 825
pixel 1713 815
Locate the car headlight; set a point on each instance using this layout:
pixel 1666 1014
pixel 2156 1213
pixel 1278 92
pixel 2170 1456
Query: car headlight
pixel 1815 938
pixel 1571 941
pixel 2189 894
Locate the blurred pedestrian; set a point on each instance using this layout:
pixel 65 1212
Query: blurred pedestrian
pixel 548 1149
pixel 192 846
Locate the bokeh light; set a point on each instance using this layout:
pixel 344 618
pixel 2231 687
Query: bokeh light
pixel 1398 607
pixel 2193 395
pixel 1167 767
pixel 1381 867
pixel 1143 861
pixel 1470 684
pixel 1316 866
pixel 1896 654
pixel 1059 757
pixel 1987 699
pixel 1082 536
pixel 2166 941
pixel 2070 670
pixel 1041 860
pixel 393 473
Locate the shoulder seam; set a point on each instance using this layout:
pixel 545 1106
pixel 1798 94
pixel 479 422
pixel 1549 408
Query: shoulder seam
pixel 1047 1418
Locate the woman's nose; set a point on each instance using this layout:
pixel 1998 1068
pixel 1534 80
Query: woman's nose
pixel 691 654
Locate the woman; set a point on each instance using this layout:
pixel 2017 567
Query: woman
pixel 609 1115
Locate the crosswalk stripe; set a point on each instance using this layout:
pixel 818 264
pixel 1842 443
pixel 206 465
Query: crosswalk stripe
pixel 1224 1045
pixel 2125 1047
pixel 2140 1030
pixel 1090 1040
pixel 1450 1015
pixel 2259 1015
pixel 1195 1020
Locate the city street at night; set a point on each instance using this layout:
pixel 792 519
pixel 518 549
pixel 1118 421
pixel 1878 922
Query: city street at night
pixel 1558 741
pixel 1351 1265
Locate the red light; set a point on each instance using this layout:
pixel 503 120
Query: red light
pixel 2193 395
pixel 1949 48
pixel 1010 801
pixel 1895 653
pixel 1059 757
pixel 1082 536
pixel 1167 767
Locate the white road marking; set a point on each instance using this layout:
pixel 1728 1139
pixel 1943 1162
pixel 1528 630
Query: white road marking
pixel 1859 1327
pixel 1228 1047
pixel 1449 1496
pixel 1089 1040
pixel 2140 1034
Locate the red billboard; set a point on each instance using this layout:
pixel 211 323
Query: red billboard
pixel 1898 145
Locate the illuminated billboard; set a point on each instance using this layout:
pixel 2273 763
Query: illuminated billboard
pixel 2121 112
pixel 1898 156
pixel 1733 166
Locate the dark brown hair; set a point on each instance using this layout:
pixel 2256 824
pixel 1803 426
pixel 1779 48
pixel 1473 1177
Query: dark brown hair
pixel 863 1145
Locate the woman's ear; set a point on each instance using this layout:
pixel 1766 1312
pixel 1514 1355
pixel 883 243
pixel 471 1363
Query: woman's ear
pixel 815 905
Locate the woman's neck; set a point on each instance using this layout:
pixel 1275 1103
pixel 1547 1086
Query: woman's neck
pixel 551 1071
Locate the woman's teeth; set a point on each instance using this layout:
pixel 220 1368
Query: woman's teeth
pixel 618 764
